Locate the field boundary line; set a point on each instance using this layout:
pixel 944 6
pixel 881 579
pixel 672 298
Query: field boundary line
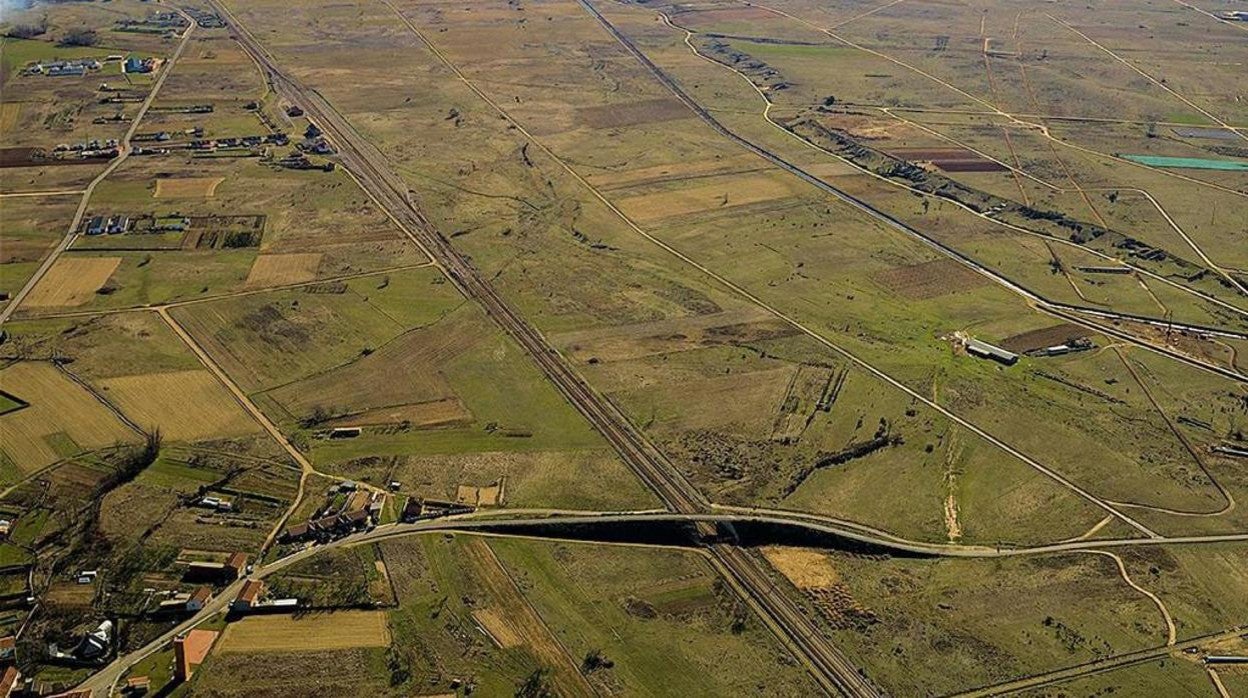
pixel 240 397
pixel 123 153
pixel 927 195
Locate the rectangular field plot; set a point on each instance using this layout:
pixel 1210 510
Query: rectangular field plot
pixel 62 419
pixel 282 269
pixel 634 113
pixel 320 631
pixel 72 281
pixel 186 405
pixel 930 279
pixel 186 187
pixel 724 193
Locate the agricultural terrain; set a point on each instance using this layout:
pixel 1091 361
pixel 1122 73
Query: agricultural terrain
pixel 614 347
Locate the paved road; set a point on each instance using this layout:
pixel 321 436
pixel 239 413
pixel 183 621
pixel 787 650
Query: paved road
pixel 518 521
pixel 123 152
pixel 798 524
pixel 1101 666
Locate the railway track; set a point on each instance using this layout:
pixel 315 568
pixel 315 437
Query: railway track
pixel 832 669
pixel 1065 311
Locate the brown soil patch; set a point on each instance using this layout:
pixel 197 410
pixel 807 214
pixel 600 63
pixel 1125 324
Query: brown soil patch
pixel 807 569
pixel 283 269
pixel 496 626
pixel 66 596
pixel 10 112
pixel 634 113
pixel 186 187
pixel 871 132
pixel 969 166
pixel 186 405
pixel 489 496
pixel 23 250
pixel 1043 337
pixel 72 281
pixel 930 279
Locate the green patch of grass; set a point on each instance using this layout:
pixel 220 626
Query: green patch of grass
pixel 9 403
pixel 9 472
pixel 18 53
pixel 10 554
pixel 29 525
pixel 1188 118
pixel 157 667
pixel 105 346
pixel 706 645
pixel 176 475
pixel 63 444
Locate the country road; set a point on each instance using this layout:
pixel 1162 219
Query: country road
pixel 123 152
pixel 746 572
pixel 517 522
pixel 371 170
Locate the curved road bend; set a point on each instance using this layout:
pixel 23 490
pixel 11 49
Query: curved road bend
pixel 123 152
pixel 1101 666
pixel 101 681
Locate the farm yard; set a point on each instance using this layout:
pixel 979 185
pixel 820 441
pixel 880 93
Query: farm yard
pixel 939 308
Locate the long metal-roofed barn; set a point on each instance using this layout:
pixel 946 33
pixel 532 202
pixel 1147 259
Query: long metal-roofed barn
pixel 984 350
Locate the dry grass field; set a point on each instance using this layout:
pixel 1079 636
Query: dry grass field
pixel 72 281
pixel 520 623
pixel 283 269
pixel 62 419
pixel 186 187
pixel 185 406
pixel 805 568
pixel 314 632
pixel 788 331
pixel 722 195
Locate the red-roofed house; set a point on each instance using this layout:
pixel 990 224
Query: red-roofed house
pixel 189 651
pixel 236 564
pixel 198 599
pixel 8 681
pixel 249 596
